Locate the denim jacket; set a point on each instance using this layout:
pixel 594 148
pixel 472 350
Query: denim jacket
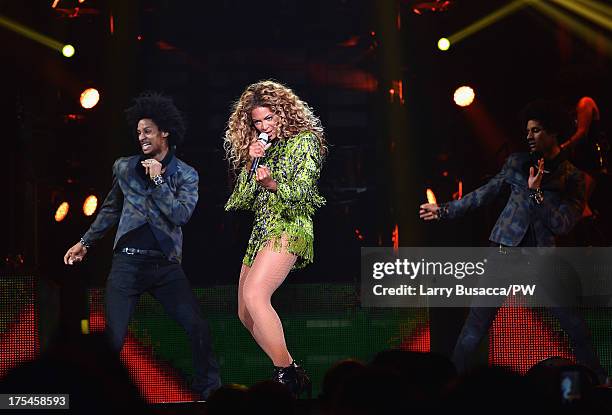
pixel 133 201
pixel 564 201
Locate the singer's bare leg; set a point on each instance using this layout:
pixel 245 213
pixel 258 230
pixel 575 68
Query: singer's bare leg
pixel 255 288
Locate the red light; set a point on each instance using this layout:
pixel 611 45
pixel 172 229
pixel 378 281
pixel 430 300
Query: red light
pixel 520 337
pixel 163 45
pixel 397 90
pixel 350 42
pixel 358 235
pixel 20 332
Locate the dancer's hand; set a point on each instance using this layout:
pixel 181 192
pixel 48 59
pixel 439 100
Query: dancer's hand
pixel 429 211
pixel 535 180
pixel 152 167
pixel 257 149
pixel 75 254
pixel 264 178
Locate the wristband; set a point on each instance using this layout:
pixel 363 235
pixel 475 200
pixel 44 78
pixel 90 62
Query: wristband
pixel 85 244
pixel 158 180
pixel 537 196
pixel 442 212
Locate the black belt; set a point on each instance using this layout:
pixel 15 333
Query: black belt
pixel 145 252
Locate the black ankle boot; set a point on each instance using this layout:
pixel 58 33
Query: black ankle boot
pixel 286 376
pixel 293 377
pixel 303 381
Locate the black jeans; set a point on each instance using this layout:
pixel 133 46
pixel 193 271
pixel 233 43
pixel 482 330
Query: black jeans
pixel 481 316
pixel 133 275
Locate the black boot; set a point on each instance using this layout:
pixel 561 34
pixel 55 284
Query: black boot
pixel 303 381
pixel 294 378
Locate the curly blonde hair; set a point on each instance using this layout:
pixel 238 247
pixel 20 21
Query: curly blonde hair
pixel 294 116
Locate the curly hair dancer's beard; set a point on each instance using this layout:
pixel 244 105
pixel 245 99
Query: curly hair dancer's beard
pixel 255 289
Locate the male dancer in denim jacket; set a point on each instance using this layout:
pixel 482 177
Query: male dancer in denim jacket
pixel 152 196
pixel 545 201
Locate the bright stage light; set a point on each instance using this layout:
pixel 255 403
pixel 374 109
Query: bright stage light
pixel 583 30
pixel 62 212
pixel 488 20
pixel 443 44
pixel 68 51
pixel 89 98
pixel 464 96
pixel 90 205
pixel 594 15
pixel 431 196
pixel 31 34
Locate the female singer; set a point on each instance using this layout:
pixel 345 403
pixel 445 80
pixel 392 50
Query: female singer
pixel 283 194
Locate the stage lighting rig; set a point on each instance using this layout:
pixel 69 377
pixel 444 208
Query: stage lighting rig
pixel 438 6
pixel 75 8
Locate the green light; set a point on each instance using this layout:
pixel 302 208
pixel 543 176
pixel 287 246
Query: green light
pixel 30 34
pixel 443 44
pixel 68 51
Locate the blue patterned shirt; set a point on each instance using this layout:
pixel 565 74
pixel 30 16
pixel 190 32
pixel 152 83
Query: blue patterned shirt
pixel 134 201
pixel 564 200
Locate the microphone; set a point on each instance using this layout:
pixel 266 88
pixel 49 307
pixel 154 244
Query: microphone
pixel 263 138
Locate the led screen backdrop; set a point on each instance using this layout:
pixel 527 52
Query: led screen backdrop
pixel 323 323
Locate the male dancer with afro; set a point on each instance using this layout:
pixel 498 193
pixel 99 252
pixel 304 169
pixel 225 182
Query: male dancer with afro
pixel 153 195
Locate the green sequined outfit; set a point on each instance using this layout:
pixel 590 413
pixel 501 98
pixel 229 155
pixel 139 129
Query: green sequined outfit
pixel 295 165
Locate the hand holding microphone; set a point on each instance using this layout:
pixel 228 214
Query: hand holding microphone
pixel 257 150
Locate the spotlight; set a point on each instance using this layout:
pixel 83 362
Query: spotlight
pixel 62 212
pixel 436 6
pixel 443 44
pixel 90 205
pixel 89 98
pixel 464 96
pixel 68 51
pixel 489 20
pixel 431 197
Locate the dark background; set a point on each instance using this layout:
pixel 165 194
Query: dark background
pixel 341 56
